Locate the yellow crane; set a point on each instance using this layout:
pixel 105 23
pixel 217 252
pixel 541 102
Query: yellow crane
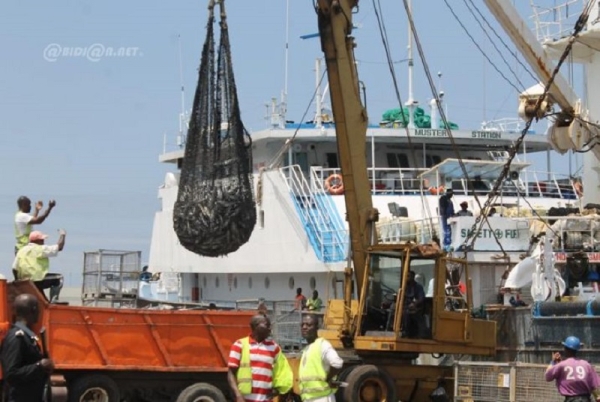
pixel 379 353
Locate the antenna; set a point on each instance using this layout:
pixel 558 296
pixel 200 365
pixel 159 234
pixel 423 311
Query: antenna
pixel 283 108
pixel 287 49
pixel 182 122
pixel 411 103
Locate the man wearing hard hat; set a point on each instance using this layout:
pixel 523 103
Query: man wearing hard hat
pixel 575 378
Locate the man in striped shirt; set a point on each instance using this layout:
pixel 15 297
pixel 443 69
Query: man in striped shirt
pixel 258 370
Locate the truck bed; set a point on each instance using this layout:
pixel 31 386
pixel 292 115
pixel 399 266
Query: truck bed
pixel 95 338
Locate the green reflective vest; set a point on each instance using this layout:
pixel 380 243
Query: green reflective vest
pixel 314 304
pixel 244 372
pixel 311 373
pixel 22 238
pixel 31 262
pixel 283 377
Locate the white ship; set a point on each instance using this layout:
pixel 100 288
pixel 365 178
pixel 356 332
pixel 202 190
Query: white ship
pixel 301 238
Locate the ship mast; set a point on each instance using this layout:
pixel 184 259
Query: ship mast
pixel 411 103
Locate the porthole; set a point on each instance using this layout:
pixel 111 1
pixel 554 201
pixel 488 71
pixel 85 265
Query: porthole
pixel 291 282
pixel 313 283
pixel 235 282
pixel 267 282
pixel 217 282
pixel 249 282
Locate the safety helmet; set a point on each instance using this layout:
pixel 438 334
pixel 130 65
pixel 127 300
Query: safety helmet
pixel 572 342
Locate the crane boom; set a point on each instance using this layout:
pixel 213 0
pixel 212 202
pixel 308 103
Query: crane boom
pixel 532 51
pixel 335 27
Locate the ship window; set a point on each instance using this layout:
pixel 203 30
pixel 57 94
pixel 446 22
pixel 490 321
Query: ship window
pixel 267 282
pixel 291 282
pixel 217 282
pixel 396 160
pixel 432 160
pixel 313 283
pixel 235 282
pixel 249 282
pixel 332 160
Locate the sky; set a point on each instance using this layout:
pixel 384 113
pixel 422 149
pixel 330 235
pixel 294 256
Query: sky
pixel 86 129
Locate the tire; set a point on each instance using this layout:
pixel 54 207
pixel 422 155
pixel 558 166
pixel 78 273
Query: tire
pixel 339 395
pixel 367 383
pixel 93 387
pixel 201 392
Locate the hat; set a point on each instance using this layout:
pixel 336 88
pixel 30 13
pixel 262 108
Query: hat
pixel 464 203
pixel 37 235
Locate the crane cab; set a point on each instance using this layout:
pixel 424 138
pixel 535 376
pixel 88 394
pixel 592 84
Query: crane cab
pixel 416 300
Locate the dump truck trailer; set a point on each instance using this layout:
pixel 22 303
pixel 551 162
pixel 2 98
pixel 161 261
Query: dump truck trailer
pixel 108 354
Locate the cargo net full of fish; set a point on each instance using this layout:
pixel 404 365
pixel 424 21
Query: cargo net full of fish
pixel 215 212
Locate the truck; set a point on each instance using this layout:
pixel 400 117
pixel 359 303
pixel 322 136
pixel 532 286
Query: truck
pixel 378 350
pixel 114 354
pixel 108 354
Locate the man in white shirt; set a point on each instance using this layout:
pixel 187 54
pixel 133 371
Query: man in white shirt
pixel 24 221
pixel 32 263
pixel 319 365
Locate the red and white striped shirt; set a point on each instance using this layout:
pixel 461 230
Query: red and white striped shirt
pixel 262 358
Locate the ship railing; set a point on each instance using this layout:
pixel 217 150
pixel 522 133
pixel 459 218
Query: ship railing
pixel 173 142
pixel 530 183
pixel 316 210
pixel 555 21
pixel 382 180
pixel 401 229
pixel 572 233
pixel 405 181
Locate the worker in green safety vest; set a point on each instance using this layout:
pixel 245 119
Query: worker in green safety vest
pixel 24 220
pixel 32 263
pixel 258 369
pixel 319 364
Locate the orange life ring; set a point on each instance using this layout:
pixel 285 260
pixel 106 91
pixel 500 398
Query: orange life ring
pixel 335 184
pixel 436 190
pixel 578 188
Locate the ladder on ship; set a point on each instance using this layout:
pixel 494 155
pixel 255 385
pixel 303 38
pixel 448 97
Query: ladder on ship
pixel 318 214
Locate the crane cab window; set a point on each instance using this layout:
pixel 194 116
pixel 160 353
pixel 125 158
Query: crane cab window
pixel 386 291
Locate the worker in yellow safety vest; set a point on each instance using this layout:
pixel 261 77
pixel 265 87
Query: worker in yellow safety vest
pixel 24 221
pixel 32 263
pixel 258 369
pixel 319 364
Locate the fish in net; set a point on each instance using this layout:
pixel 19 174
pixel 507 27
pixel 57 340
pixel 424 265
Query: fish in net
pixel 215 212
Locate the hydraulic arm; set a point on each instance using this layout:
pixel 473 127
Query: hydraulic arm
pixel 335 28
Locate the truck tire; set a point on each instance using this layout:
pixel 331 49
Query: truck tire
pixel 339 395
pixel 367 383
pixel 93 387
pixel 201 392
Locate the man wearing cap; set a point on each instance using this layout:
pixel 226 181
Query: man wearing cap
pixel 24 221
pixel 32 263
pixel 446 210
pixel 575 378
pixel 464 211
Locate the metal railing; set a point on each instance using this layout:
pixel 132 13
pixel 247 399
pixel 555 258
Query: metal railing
pixel 382 180
pixel 555 21
pixel 503 382
pixel 397 230
pixel 406 181
pixel 322 221
pixel 571 233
